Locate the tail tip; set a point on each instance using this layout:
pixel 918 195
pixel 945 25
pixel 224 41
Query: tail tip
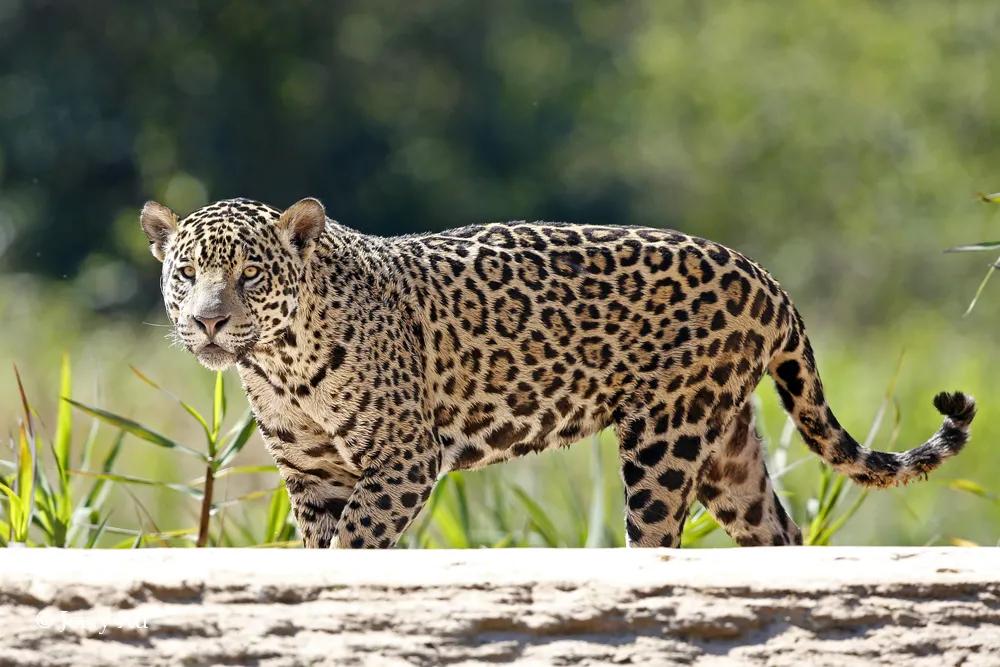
pixel 958 407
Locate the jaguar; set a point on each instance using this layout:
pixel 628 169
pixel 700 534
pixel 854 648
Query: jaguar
pixel 376 365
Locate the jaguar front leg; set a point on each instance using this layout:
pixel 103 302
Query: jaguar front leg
pixel 316 478
pixel 318 497
pixel 389 494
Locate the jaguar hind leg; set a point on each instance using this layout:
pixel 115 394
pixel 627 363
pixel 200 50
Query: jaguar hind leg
pixel 736 489
pixel 661 455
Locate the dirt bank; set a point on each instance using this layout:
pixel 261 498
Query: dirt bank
pixel 789 606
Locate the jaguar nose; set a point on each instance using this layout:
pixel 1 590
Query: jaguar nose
pixel 211 325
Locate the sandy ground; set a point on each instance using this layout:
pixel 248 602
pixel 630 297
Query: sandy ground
pixel 784 606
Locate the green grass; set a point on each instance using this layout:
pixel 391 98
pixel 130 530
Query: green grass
pixel 45 508
pixel 62 491
pixel 981 247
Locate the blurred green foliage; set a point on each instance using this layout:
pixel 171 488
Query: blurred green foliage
pixel 841 144
pixel 825 139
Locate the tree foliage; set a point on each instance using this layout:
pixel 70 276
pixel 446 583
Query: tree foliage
pixel 838 143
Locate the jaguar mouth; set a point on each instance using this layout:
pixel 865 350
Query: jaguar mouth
pixel 214 356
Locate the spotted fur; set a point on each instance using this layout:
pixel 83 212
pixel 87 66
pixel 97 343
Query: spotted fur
pixel 374 365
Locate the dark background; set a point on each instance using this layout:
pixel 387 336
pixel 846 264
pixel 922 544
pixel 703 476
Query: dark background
pixel 820 139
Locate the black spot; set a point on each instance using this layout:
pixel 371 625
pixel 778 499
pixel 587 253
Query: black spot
pixel 683 336
pixel 639 499
pixel 335 506
pixel 738 289
pixel 699 405
pixel 631 436
pixel 786 398
pixel 662 425
pixel 845 450
pixel 284 436
pixel 722 374
pixel 506 435
pixel 734 342
pixel 687 447
pixel 672 479
pixel 754 514
pixel 780 509
pixel 788 371
pixel 882 462
pixel 708 493
pixel 726 516
pixel 655 513
pixel 384 502
pixel 634 534
pixel 408 499
pixel 632 473
pixel 653 454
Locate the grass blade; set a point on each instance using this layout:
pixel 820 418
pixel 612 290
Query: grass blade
pixel 498 506
pixel 975 247
pixel 442 518
pixel 461 498
pixel 838 523
pixel 24 402
pixel 237 438
pixel 961 542
pixel 285 544
pixel 25 482
pixel 700 526
pixel 968 486
pixel 95 492
pixel 540 521
pixel 186 406
pixel 96 533
pixel 218 406
pixel 245 529
pixel 90 443
pixel 17 512
pixel 64 424
pixel 595 522
pixel 134 428
pixel 979 290
pixel 239 470
pixel 250 495
pixel 129 479
pixel 504 542
pixel 419 535
pixel 277 516
pixel 450 528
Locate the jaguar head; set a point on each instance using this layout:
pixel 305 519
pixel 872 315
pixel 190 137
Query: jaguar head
pixel 232 272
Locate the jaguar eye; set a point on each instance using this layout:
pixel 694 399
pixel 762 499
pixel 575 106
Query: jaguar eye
pixel 251 272
pixel 188 272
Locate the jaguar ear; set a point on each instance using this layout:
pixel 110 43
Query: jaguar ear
pixel 302 223
pixel 160 224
